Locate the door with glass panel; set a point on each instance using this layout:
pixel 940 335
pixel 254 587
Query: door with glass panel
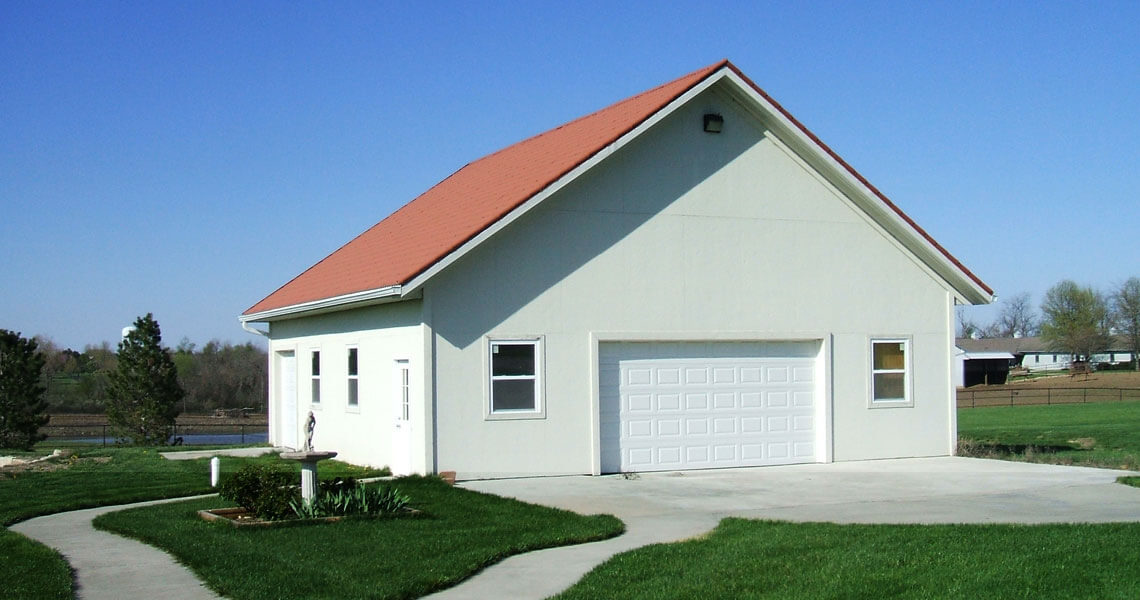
pixel 402 434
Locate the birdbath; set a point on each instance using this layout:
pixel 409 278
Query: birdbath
pixel 308 458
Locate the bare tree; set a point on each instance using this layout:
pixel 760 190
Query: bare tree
pixel 1126 314
pixel 1076 320
pixel 1017 318
pixel 967 327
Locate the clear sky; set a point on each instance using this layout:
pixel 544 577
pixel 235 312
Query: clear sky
pixel 187 159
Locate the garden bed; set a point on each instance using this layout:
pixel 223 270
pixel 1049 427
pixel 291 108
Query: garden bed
pixel 240 517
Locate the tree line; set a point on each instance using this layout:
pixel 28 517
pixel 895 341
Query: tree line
pixel 141 386
pixel 1075 319
pixel 217 375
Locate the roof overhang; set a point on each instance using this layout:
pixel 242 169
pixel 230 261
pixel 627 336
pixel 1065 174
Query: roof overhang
pixel 392 293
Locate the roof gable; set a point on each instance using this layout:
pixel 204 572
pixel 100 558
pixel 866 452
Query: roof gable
pixel 457 213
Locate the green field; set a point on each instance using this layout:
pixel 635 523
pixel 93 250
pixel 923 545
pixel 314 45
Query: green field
pixel 1105 434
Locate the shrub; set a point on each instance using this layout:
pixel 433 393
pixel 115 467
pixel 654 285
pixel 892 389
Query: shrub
pixel 266 491
pixel 357 499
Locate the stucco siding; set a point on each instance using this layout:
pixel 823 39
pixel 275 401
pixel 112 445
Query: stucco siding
pixel 683 234
pixel 382 334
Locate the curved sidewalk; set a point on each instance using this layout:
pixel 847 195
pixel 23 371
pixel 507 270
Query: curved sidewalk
pixel 111 567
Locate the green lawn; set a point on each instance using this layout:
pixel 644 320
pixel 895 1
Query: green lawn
pixel 766 559
pixel 96 477
pixel 461 532
pixel 1105 434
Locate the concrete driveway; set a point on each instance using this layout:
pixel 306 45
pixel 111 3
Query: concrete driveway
pixel 663 507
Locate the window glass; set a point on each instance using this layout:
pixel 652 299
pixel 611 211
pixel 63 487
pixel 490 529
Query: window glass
pixel 514 379
pixel 513 394
pixel 353 380
pixel 890 355
pixel 888 371
pixel 316 380
pixel 512 359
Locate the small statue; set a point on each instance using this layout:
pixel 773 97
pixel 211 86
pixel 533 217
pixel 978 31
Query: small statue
pixel 310 425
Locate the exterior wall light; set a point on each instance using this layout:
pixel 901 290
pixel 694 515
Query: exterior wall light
pixel 714 123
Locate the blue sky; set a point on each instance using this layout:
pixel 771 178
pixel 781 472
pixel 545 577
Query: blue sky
pixel 187 159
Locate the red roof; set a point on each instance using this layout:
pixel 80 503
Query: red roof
pixel 427 229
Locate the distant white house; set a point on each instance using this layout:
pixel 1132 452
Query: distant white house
pixel 686 279
pixel 1033 353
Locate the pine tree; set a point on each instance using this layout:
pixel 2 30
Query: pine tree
pixel 21 395
pixel 143 395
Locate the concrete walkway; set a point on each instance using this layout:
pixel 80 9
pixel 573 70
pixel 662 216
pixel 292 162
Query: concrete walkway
pixel 110 567
pixel 665 507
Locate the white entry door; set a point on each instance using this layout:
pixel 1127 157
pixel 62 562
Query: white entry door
pixel 402 434
pixel 287 386
pixel 686 405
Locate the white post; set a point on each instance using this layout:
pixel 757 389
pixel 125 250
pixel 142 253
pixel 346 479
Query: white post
pixel 308 481
pixel 215 471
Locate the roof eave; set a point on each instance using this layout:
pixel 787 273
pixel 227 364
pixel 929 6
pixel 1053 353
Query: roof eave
pixel 389 293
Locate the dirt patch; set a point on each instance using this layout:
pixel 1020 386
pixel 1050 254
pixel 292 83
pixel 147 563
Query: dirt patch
pixel 1099 379
pixel 65 459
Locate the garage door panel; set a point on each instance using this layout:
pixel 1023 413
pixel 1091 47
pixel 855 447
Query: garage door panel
pixel 677 409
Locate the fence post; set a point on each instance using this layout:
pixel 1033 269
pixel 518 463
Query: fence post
pixel 243 433
pixel 104 436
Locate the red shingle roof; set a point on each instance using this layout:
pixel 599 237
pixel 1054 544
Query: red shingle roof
pixel 440 220
pixel 427 229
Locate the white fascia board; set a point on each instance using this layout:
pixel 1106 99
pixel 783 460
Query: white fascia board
pixel 565 180
pixel 988 355
pixel 393 292
pixel 962 284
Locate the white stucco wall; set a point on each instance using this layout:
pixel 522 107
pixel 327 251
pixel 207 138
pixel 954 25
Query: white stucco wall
pixel 686 235
pixel 383 334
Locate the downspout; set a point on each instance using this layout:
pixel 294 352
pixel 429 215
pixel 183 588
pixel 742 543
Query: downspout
pixel 245 325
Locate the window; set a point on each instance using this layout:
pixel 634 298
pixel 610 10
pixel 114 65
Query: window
pixel 1036 358
pixel 316 376
pixel 353 379
pixel 405 399
pixel 889 371
pixel 514 376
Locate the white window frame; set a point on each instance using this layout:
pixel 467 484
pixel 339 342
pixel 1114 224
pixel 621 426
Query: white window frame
pixel 539 410
pixel 351 406
pixel 315 378
pixel 907 370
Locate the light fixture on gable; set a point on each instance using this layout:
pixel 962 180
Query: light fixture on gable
pixel 714 123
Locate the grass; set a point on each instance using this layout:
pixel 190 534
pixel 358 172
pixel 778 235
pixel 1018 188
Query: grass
pixel 32 571
pixel 462 532
pixel 96 477
pixel 1096 434
pixel 766 559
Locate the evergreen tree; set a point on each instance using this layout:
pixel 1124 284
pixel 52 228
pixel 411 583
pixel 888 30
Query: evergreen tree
pixel 143 391
pixel 21 402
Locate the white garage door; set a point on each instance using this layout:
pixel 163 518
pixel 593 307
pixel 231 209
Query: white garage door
pixel 667 406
